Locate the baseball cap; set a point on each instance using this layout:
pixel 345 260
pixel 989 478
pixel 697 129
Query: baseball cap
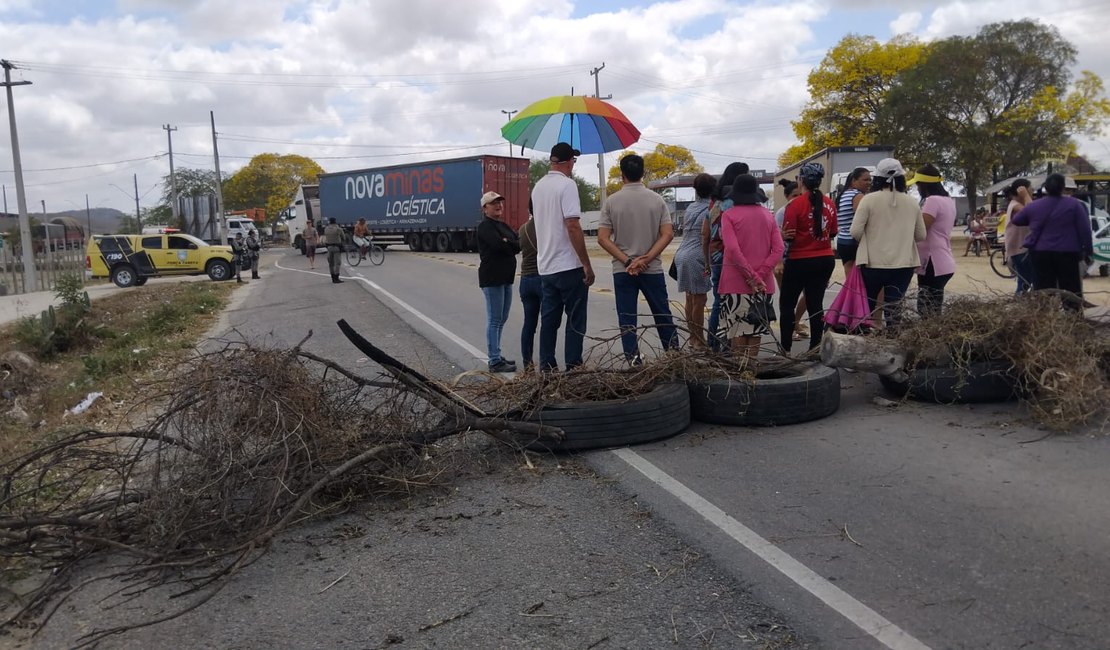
pixel 490 197
pixel 563 152
pixel 889 167
pixel 1069 183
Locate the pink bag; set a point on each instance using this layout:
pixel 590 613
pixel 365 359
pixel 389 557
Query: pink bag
pixel 850 310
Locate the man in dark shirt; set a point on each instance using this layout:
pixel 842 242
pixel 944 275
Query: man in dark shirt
pixel 497 248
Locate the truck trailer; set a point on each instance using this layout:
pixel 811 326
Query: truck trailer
pixel 838 163
pixel 430 206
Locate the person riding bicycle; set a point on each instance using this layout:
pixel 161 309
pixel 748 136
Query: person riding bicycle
pixel 362 237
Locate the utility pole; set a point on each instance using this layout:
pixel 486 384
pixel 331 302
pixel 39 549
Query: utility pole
pixel 30 274
pixel 510 114
pixel 595 73
pixel 173 184
pixel 219 188
pixel 88 217
pixel 5 188
pixel 138 215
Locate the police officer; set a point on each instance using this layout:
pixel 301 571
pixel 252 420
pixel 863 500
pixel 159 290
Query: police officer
pixel 254 251
pixel 333 239
pixel 238 252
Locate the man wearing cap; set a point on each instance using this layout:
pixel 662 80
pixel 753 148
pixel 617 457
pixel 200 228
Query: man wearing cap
pixel 497 248
pixel 564 264
pixel 333 239
pixel 635 227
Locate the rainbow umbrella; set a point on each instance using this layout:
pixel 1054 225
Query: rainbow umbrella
pixel 587 124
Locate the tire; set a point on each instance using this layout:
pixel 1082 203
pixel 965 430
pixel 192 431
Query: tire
pixel 443 242
pixel 352 256
pixel 796 395
pixel 218 270
pixel 298 243
pixel 1104 270
pixel 659 414
pixel 141 280
pixel 427 241
pixel 413 240
pixel 998 264
pixel 123 276
pixel 983 382
pixel 376 255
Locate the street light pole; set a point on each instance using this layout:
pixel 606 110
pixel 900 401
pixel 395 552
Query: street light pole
pixel 510 114
pixel 596 74
pixel 30 274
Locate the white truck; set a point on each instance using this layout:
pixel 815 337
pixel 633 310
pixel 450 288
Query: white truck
pixel 838 163
pixel 304 208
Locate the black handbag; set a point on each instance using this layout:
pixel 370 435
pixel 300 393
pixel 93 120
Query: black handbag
pixel 761 311
pixel 673 271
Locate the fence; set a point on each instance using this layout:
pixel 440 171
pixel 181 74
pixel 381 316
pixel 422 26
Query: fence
pixel 53 261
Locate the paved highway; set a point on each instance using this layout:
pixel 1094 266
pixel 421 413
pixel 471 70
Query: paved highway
pixel 918 526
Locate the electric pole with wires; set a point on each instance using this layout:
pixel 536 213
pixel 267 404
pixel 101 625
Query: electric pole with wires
pixel 595 73
pixel 30 274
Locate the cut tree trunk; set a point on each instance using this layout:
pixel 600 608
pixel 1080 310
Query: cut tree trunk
pixel 864 354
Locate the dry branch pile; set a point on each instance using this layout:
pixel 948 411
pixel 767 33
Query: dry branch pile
pixel 1061 360
pixel 249 442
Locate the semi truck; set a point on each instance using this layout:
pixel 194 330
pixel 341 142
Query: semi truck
pixel 429 206
pixel 838 163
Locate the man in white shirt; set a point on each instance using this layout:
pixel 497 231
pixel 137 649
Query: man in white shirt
pixel 564 265
pixel 635 227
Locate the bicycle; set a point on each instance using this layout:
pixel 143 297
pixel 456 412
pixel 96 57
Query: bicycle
pixel 1000 264
pixel 375 253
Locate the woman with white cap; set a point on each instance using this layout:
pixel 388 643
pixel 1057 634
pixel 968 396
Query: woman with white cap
pixel 498 246
pixel 887 225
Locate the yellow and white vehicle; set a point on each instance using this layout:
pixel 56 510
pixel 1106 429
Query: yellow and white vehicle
pixel 130 259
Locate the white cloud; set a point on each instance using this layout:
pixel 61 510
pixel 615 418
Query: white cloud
pixel 708 74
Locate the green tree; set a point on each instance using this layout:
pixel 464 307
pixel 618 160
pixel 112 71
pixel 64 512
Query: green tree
pixel 993 105
pixel 190 182
pixel 269 181
pixel 587 191
pixel 663 161
pixel 847 90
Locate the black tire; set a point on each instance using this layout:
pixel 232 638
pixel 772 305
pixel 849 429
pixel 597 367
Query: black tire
pixel 428 241
pixel 218 270
pixel 443 242
pixel 298 243
pixel 659 414
pixel 795 395
pixel 413 240
pixel 1103 270
pixel 124 276
pixel 985 381
pixel 998 264
pixel 141 280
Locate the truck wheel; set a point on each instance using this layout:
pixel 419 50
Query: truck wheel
pixel 124 276
pixel 298 243
pixel 218 270
pixel 1104 270
pixel 413 240
pixel 458 242
pixel 140 280
pixel 428 241
pixel 443 242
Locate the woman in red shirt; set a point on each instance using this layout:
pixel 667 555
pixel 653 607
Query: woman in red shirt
pixel 808 227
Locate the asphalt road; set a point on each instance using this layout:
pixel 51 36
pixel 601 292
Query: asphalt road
pixel 919 526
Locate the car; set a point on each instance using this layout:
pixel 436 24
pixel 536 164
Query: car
pixel 129 260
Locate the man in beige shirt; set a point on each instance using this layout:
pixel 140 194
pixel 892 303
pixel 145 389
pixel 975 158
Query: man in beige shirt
pixel 635 227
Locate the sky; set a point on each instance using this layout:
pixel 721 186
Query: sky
pixel 364 83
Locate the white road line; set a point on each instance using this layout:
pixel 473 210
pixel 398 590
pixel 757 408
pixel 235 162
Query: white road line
pixel 840 601
pixel 478 354
pixel 861 615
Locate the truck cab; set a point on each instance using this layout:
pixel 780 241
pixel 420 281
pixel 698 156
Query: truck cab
pixel 304 208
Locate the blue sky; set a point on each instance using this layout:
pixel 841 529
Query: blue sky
pixel 358 83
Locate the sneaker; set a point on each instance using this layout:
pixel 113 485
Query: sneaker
pixel 503 365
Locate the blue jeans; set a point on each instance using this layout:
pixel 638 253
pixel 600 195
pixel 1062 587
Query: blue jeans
pixel 565 291
pixel 893 282
pixel 531 295
pixel 1022 264
pixel 498 301
pixel 627 289
pixel 714 323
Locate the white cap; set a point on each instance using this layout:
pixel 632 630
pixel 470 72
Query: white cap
pixel 490 197
pixel 1069 183
pixel 890 168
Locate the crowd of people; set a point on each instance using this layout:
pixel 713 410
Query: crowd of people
pixel 736 250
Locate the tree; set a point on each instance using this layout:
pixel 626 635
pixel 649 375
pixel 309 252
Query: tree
pixel 847 90
pixel 993 105
pixel 269 181
pixel 159 215
pixel 662 162
pixel 190 182
pixel 587 191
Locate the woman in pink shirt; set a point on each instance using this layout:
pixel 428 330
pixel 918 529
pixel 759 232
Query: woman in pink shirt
pixel 753 246
pixel 937 263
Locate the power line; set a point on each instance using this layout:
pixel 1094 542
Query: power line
pixel 99 164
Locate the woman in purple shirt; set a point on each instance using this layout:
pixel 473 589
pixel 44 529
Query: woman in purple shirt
pixel 1059 238
pixel 937 263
